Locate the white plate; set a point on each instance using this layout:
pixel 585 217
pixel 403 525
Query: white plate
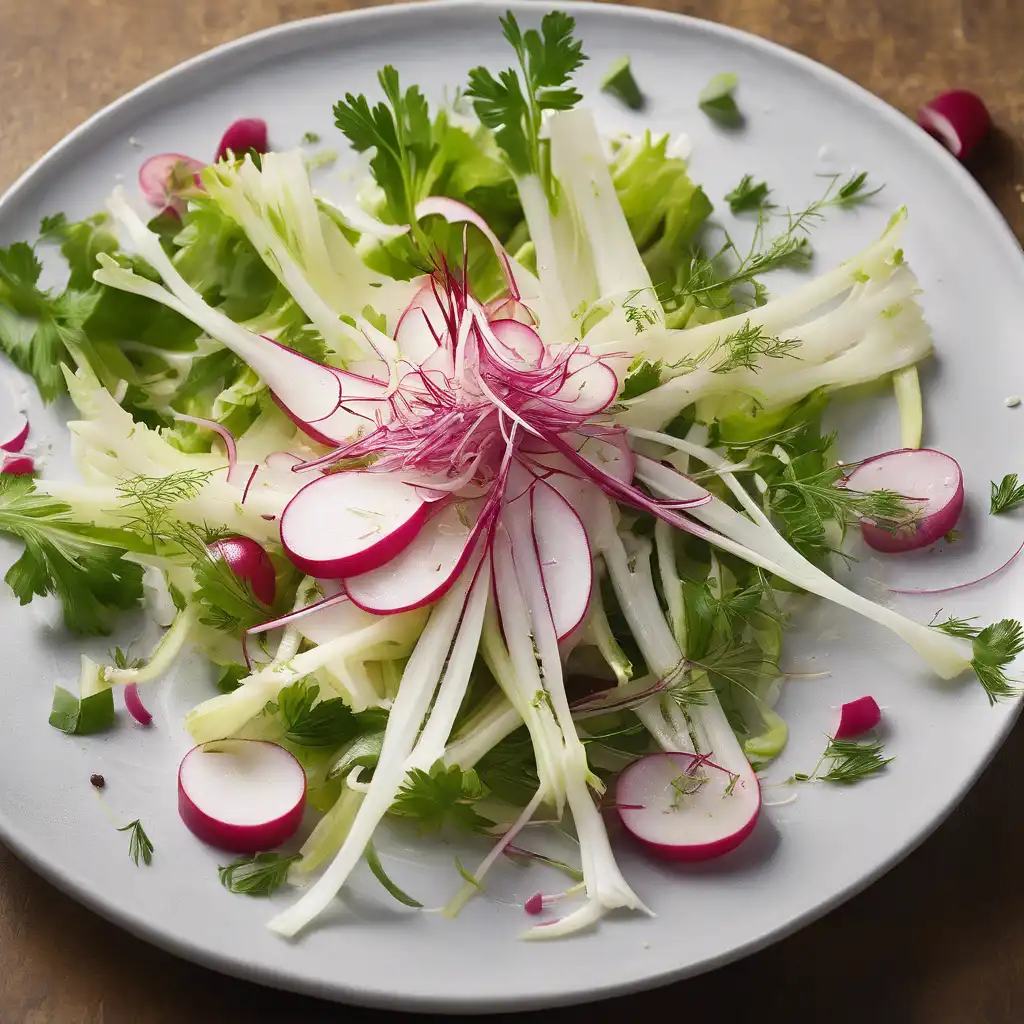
pixel 804 857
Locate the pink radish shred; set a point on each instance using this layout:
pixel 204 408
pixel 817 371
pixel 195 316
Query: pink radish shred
pixel 960 586
pixel 856 717
pixel 133 702
pixel 17 441
pixel 222 432
pixel 535 904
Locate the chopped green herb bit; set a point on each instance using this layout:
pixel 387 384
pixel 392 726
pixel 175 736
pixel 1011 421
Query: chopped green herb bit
pixel 139 845
pixel 1007 495
pixel 748 195
pixel 259 875
pixel 717 101
pixel 620 83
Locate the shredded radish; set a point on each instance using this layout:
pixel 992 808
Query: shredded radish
pixel 917 591
pixel 958 119
pixel 230 447
pixel 17 435
pixel 857 717
pixel 133 702
pixel 18 465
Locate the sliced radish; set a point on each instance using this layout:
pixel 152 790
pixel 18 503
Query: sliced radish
pixel 857 716
pixel 133 702
pixel 426 569
pixel 168 179
pixel 509 309
pixel 958 119
pixel 519 339
pixel 249 561
pixel 15 433
pixel 349 523
pixel 931 478
pixel 241 795
pixel 247 133
pixel 18 465
pixel 421 326
pixel 684 807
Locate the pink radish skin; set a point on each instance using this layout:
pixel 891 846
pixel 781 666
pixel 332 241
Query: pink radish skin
pixel 241 795
pixel 350 523
pixel 427 568
pixel 249 561
pixel 168 178
pixel 133 702
pixel 958 119
pixel 695 827
pixel 18 465
pixel 17 439
pixel 921 473
pixel 247 133
pixel 858 716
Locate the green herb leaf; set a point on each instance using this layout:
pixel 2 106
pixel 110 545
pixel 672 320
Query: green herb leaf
pixel 442 796
pixel 748 195
pixel 620 83
pixel 1007 495
pixel 80 717
pixel 717 101
pixel 641 377
pixel 311 722
pixel 139 844
pixel 373 862
pixel 310 138
pixel 259 875
pixel 231 678
pixel 512 104
pixel 82 566
pixel 852 762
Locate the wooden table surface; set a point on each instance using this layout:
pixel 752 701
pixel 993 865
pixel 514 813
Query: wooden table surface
pixel 939 940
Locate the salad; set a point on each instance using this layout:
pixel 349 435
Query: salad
pixel 488 495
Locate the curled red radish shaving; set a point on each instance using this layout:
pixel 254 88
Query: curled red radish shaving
pixel 934 487
pixel 249 561
pixel 510 309
pixel 133 702
pixel 692 808
pixel 917 591
pixel 18 465
pixel 519 339
pixel 17 436
pixel 243 135
pixel 958 119
pixel 350 523
pixel 222 432
pixel 169 179
pixel 248 484
pixel 857 716
pixel 241 795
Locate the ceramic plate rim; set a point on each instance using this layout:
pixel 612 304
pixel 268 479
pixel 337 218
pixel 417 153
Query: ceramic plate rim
pixel 50 165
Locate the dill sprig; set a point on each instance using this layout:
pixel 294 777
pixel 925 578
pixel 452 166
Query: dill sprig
pixel 149 500
pixel 139 844
pixel 850 762
pixel 1006 495
pixel 994 648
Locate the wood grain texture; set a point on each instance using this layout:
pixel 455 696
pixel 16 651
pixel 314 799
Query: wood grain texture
pixel 938 940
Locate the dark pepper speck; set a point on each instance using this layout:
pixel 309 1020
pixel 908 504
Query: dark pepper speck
pixel 98 781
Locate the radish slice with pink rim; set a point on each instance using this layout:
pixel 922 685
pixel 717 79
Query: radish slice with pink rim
pixel 350 523
pixel 420 326
pixel 133 702
pixel 857 717
pixel 427 568
pixel 683 807
pixel 168 179
pixel 509 309
pixel 247 133
pixel 958 119
pixel 933 485
pixel 241 795
pixel 18 465
pixel 14 433
pixel 520 339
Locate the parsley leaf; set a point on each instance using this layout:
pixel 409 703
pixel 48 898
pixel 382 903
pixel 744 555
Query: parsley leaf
pixel 310 722
pixel 259 875
pixel 512 104
pixel 716 100
pixel 1006 495
pixel 748 195
pixel 80 565
pixel 441 796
